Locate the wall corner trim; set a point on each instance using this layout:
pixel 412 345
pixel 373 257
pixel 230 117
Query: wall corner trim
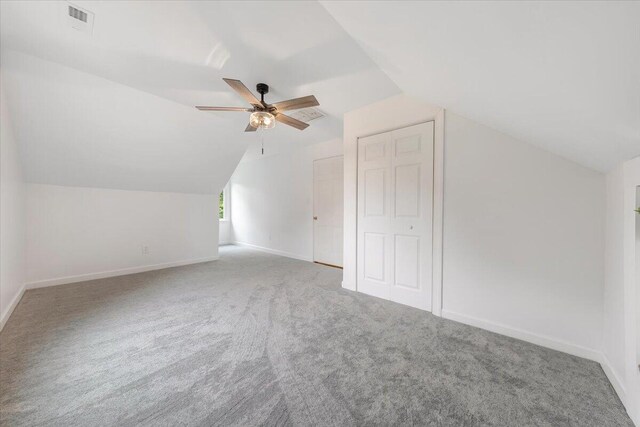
pixel 531 337
pixel 273 251
pixel 438 214
pixel 14 303
pixel 113 273
pixel 613 377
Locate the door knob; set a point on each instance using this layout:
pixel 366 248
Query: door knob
pixel 315 218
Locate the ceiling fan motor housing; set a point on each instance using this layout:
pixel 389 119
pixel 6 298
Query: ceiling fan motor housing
pixel 262 88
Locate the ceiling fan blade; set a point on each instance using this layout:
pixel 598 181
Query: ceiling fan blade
pixel 205 108
pixel 297 103
pixel 250 128
pixel 291 121
pixel 244 92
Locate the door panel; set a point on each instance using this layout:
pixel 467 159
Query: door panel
pixel 328 213
pixel 374 194
pixel 408 145
pixel 407 190
pixel 395 193
pixel 374 254
pixel 374 244
pixel 407 261
pixel 374 151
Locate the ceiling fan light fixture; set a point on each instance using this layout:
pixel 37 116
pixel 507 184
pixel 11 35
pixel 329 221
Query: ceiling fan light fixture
pixel 265 115
pixel 262 120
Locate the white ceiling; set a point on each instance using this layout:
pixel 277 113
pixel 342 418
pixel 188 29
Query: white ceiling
pixel 178 51
pixel 114 108
pixel 561 75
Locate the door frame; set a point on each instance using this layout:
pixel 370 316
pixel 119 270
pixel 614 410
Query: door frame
pixel 437 203
pixel 313 206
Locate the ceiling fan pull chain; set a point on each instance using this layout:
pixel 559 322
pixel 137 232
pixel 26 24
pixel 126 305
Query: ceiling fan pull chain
pixel 261 131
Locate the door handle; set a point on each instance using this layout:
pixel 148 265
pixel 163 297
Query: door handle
pixel 315 218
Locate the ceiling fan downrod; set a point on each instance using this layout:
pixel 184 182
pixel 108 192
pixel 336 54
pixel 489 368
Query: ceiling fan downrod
pixel 262 89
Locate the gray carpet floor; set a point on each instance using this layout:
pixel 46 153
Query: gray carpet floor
pixel 256 339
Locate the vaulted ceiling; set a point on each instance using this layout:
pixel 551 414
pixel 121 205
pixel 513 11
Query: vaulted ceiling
pixel 563 75
pixel 72 93
pixel 114 107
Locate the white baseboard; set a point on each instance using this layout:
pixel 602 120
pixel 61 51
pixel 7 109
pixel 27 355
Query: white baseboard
pixel 11 307
pixel 273 251
pixel 614 379
pixel 541 340
pixel 114 273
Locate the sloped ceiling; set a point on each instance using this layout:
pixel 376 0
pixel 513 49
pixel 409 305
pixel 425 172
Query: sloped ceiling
pixel 114 108
pixel 561 75
pixel 78 129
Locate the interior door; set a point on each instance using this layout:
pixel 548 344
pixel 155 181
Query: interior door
pixel 395 215
pixel 328 212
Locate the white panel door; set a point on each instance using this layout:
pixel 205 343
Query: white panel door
pixel 328 212
pixel 374 211
pixel 395 196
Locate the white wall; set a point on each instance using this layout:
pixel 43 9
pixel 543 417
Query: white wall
pixel 523 238
pixel 637 277
pixel 76 233
pixel 631 291
pixel 613 330
pixel 621 327
pixel 12 212
pixel 226 232
pixel 272 199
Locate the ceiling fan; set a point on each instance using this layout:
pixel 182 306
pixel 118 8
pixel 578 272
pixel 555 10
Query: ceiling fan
pixel 263 115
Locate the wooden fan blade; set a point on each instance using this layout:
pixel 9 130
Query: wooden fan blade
pixel 205 108
pixel 291 121
pixel 244 92
pixel 297 103
pixel 250 128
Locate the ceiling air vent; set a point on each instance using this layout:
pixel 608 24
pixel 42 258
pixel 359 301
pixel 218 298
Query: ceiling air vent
pixel 78 18
pixel 307 114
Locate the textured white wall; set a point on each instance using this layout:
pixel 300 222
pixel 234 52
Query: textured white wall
pixel 272 199
pixel 75 232
pixel 12 212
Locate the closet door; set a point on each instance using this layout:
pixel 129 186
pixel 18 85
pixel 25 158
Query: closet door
pixel 374 213
pixel 395 215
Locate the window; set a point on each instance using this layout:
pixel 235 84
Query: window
pixel 223 204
